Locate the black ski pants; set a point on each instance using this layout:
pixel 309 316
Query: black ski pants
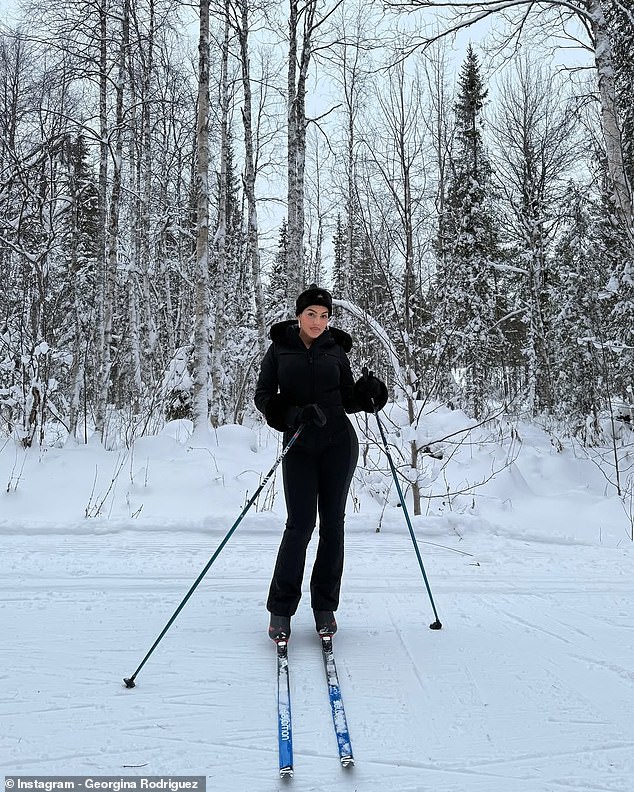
pixel 317 475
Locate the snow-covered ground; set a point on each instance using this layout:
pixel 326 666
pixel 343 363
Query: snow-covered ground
pixel 529 686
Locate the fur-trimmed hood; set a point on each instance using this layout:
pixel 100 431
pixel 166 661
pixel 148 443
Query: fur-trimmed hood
pixel 287 331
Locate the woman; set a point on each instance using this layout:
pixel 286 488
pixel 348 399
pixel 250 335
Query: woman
pixel 305 378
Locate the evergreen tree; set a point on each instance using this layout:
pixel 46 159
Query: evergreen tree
pixel 276 297
pixel 339 261
pixel 577 323
pixel 363 284
pixel 617 298
pixel 234 308
pixel 340 272
pixel 465 303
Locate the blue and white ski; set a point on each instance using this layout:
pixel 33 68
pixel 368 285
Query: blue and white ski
pixel 336 703
pixel 284 723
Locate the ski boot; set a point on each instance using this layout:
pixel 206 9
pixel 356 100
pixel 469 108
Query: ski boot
pixel 279 628
pixel 325 622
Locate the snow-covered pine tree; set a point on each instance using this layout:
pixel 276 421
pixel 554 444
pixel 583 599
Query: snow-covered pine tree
pixel 358 278
pixel 577 321
pixel 339 262
pixel 466 340
pixel 278 283
pixel 240 349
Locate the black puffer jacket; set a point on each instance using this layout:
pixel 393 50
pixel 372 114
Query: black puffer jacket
pixel 292 376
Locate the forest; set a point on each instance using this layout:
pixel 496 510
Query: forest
pixel 171 176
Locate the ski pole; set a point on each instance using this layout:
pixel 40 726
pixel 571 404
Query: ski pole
pixel 437 624
pixel 129 681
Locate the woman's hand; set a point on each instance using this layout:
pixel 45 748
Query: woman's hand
pixel 370 392
pixel 310 414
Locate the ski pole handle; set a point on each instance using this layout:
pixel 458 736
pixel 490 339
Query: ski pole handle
pixel 366 376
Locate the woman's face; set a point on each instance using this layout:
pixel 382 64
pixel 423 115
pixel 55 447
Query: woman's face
pixel 313 321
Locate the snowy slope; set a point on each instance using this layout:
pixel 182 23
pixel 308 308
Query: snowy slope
pixel 529 687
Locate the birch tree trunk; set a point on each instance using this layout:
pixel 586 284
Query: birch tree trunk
pixel 78 367
pixel 604 61
pixel 351 75
pixel 218 348
pixel 200 406
pixel 298 63
pixel 112 241
pixel 104 310
pixel 134 266
pixel 149 332
pixel 295 230
pixel 253 243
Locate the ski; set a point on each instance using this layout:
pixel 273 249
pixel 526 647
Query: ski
pixel 336 703
pixel 284 724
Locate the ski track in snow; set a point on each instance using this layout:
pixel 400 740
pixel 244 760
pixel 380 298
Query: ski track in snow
pixel 528 688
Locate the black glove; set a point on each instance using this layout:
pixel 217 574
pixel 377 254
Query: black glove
pixel 310 414
pixel 370 392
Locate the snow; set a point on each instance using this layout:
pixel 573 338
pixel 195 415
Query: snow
pixel 529 686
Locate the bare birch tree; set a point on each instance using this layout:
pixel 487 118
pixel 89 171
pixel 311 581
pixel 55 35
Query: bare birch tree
pixel 350 65
pixel 220 236
pixel 242 26
pixel 535 148
pixel 107 299
pixel 394 188
pixel 200 406
pixel 304 23
pixel 32 199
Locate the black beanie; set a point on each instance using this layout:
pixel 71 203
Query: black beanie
pixel 313 296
